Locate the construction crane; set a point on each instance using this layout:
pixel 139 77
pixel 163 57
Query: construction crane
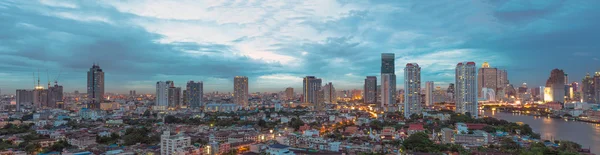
pixel 58 76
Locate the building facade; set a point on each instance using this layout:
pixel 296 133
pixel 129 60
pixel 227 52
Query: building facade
pixel 429 93
pixel 310 87
pixel 162 95
pixel 555 86
pixel 329 93
pixel 240 91
pixel 95 86
pixel 194 93
pixel 412 90
pixel 388 80
pixel 487 78
pixel 466 89
pixel 370 90
pixel 289 93
pixel 170 144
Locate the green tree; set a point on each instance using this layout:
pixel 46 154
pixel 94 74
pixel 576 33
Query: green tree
pixel 420 142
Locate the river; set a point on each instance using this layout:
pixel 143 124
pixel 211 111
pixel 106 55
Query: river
pixel 586 134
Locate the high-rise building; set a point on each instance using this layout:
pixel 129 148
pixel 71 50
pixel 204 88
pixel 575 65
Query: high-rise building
pixel 320 100
pixel 597 87
pixel 556 86
pixel 311 86
pixel 388 80
pixel 387 63
pixel 587 89
pixel 370 90
pixel 429 93
pixel 329 93
pixel 162 95
pixel 24 98
pixel 40 97
pixel 240 91
pixel 55 95
pixel 412 90
pixel 466 89
pixel 439 95
pixel 575 86
pixel 194 93
pixel 487 78
pixel 174 97
pixel 132 93
pixel 95 86
pixel 289 93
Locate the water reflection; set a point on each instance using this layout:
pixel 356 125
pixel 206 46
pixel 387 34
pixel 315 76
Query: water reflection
pixel 586 134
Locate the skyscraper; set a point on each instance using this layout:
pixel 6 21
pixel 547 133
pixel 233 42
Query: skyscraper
pixel 388 80
pixel 587 89
pixel 162 95
pixel 597 87
pixel 194 92
pixel 174 97
pixel 289 93
pixel 556 86
pixel 370 90
pixel 55 95
pixel 487 78
pixel 311 86
pixel 132 93
pixel 95 86
pixel 329 93
pixel 412 90
pixel 466 89
pixel 429 93
pixel 450 93
pixel 24 99
pixel 240 91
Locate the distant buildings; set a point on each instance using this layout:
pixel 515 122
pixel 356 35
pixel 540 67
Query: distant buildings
pixel 289 93
pixel 429 93
pixel 555 87
pixel 240 91
pixel 466 89
pixel 310 89
pixel 412 89
pixel 24 99
pixel 370 90
pixel 450 93
pixel 597 87
pixel 174 96
pixel 55 96
pixel 194 93
pixel 329 93
pixel 95 86
pixel 388 80
pixel 487 78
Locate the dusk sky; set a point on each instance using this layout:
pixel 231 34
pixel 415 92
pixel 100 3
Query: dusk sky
pixel 277 42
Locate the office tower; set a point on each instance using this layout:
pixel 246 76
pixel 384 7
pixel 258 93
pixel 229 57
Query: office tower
pixel 566 79
pixel 24 98
pixel 466 89
pixel 387 63
pixel 311 86
pixel 174 97
pixel 429 93
pixel 169 144
pixel 240 91
pixel 588 89
pixel 162 95
pixel 556 86
pixel 597 87
pixel 329 93
pixel 370 90
pixel 502 77
pixel 194 93
pixel 487 78
pixel 289 93
pixel 412 90
pixel 55 95
pixel 95 86
pixel 320 100
pixel 132 93
pixel 388 80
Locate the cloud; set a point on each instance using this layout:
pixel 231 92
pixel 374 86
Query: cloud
pixel 276 43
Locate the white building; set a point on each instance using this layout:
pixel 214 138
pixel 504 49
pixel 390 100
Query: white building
pixel 412 90
pixel 278 149
pixel 466 89
pixel 162 95
pixel 170 144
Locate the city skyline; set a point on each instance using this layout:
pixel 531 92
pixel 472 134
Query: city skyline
pixel 276 52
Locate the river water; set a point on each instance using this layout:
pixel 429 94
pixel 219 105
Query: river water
pixel 586 134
